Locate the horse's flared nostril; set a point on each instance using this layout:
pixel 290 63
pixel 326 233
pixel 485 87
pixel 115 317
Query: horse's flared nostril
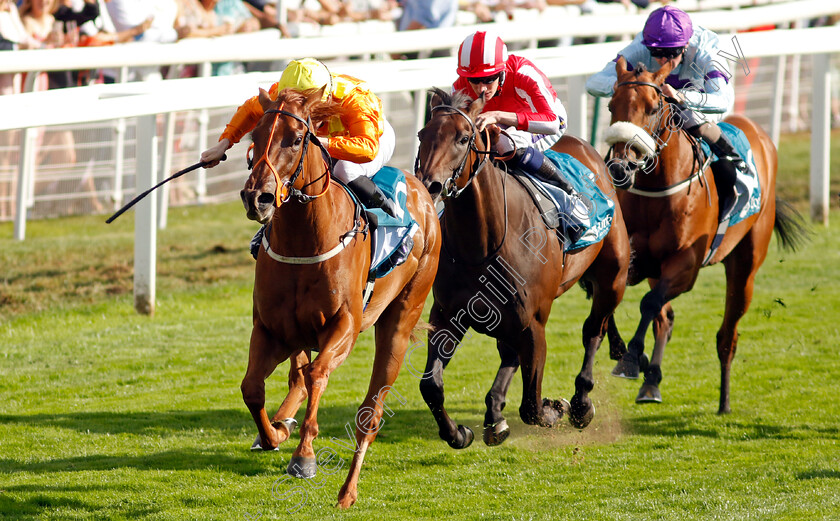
pixel 434 188
pixel 265 199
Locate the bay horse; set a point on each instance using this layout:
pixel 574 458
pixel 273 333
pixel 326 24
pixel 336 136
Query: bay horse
pixel 501 269
pixel 308 290
pixel 672 222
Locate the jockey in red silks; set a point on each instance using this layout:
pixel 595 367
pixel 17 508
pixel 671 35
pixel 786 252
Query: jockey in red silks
pixel 703 89
pixel 519 98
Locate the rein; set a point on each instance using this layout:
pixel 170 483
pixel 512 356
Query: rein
pixel 286 189
pixel 289 191
pixel 450 187
pixel 685 183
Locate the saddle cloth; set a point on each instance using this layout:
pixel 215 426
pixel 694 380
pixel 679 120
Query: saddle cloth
pixel 557 208
pixel 746 184
pixel 393 237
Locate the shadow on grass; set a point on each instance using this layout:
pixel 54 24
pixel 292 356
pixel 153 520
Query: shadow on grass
pixel 819 474
pixel 726 428
pixel 187 459
pixel 42 499
pixel 142 423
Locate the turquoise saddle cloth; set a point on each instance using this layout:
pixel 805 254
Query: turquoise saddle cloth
pixel 749 191
pixel 583 180
pixel 392 239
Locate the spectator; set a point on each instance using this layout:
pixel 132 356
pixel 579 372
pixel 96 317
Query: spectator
pixel 13 36
pixel 267 15
pixel 426 14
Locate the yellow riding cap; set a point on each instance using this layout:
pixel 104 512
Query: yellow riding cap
pixel 307 73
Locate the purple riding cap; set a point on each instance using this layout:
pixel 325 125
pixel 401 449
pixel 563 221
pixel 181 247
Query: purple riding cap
pixel 667 27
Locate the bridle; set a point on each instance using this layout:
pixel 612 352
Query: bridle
pixel 660 144
pixel 450 187
pixel 286 190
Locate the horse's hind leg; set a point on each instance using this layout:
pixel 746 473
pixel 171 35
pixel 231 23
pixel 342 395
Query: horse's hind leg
pixel 442 344
pixel 393 330
pixel 297 392
pixel 663 326
pixel 741 266
pixel 496 429
pixel 617 347
pixel 264 356
pixel 608 276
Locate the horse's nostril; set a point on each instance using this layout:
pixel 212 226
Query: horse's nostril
pixel 265 198
pixel 434 188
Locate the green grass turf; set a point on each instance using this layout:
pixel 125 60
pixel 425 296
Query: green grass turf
pixel 105 414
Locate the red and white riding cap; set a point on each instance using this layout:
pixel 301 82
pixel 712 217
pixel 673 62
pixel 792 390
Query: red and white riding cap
pixel 481 54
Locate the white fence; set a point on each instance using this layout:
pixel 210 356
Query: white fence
pixel 403 84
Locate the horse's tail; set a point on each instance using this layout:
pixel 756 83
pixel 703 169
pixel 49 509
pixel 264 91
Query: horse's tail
pixel 587 287
pixel 422 325
pixel 790 226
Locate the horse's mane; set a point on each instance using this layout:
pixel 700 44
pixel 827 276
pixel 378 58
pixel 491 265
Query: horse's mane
pixel 459 100
pixel 319 110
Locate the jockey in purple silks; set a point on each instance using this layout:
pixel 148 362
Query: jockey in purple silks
pixel 703 89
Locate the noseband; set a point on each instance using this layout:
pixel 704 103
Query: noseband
pixel 664 192
pixel 285 191
pixel 450 188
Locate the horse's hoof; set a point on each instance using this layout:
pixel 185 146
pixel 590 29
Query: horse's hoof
pixel 627 367
pixel 581 415
pixel 257 445
pixel 496 434
pixel 302 467
pixel 649 394
pixel 554 411
pixel 466 436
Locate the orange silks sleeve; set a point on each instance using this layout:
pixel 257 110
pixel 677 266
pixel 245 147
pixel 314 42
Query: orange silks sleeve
pixel 362 122
pixel 245 118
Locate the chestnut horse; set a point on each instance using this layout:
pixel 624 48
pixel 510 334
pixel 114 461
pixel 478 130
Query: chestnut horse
pixel 501 270
pixel 672 220
pixel 308 291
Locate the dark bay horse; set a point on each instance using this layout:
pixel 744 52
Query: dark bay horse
pixel 672 215
pixel 308 291
pixel 501 269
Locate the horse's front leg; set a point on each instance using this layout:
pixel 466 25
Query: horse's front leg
pixel 335 344
pixel 264 355
pixel 535 410
pixel 496 429
pixel 663 326
pixel 442 344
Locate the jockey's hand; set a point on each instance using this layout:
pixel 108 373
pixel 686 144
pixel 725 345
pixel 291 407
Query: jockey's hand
pixel 213 155
pixel 673 93
pixel 485 119
pixel 495 117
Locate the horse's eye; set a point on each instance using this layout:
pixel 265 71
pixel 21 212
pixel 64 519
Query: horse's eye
pixel 464 140
pixel 298 140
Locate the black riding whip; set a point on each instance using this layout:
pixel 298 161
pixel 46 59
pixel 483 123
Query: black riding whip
pixel 134 201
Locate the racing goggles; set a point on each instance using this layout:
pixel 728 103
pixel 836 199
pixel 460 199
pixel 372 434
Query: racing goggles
pixel 486 80
pixel 666 52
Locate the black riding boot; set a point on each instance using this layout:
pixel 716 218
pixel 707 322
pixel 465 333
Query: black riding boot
pixel 534 162
pixel 371 196
pixel 725 171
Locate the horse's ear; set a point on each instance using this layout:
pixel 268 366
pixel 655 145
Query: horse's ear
pixel 620 66
pixel 476 106
pixel 265 100
pixel 437 97
pixel 662 73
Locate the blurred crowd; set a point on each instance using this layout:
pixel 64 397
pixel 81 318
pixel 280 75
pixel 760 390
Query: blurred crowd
pixel 46 24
